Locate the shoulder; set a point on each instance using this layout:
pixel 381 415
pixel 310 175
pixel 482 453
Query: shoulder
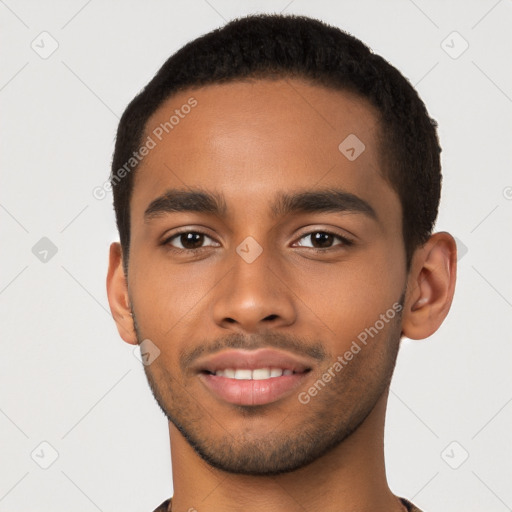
pixel 164 507
pixel 410 506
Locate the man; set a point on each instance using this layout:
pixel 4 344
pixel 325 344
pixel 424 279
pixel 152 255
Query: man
pixel 275 188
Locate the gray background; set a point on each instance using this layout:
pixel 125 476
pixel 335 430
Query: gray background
pixel 67 379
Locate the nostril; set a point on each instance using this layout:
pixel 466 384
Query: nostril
pixel 270 317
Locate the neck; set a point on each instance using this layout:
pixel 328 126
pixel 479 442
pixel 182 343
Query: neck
pixel 351 477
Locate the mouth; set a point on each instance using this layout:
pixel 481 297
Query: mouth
pixel 256 374
pixel 256 377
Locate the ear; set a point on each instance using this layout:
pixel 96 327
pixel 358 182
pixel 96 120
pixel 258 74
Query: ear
pixel 430 286
pixel 118 299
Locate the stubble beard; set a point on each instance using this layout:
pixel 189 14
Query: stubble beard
pixel 318 427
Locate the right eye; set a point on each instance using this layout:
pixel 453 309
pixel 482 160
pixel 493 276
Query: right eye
pixel 187 241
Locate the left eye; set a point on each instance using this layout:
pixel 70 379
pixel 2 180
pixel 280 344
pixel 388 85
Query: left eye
pixel 324 240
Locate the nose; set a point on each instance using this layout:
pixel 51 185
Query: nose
pixel 254 296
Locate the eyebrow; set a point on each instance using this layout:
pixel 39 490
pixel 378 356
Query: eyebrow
pixel 199 201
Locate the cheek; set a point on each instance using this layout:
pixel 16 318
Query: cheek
pixel 164 296
pixel 350 296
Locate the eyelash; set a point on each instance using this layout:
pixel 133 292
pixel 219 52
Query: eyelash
pixel 345 241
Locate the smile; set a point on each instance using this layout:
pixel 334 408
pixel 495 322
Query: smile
pixel 257 374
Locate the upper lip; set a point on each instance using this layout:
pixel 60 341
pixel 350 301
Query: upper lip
pixel 251 360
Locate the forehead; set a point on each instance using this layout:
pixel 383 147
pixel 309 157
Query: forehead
pixel 251 139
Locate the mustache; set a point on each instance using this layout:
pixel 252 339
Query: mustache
pixel 295 344
pixel 265 339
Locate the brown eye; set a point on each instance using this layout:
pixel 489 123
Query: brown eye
pixel 191 240
pixel 188 240
pixel 324 240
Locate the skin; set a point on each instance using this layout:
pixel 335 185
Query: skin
pixel 250 141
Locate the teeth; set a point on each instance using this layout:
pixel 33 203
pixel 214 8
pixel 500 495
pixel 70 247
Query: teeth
pixel 256 374
pixel 243 374
pixel 261 373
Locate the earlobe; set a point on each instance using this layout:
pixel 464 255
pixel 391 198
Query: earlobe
pixel 117 291
pixel 430 286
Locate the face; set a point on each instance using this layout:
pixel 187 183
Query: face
pixel 261 255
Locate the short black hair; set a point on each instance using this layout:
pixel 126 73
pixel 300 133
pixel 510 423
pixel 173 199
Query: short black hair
pixel 272 46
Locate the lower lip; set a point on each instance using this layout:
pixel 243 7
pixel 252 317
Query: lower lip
pixel 252 392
